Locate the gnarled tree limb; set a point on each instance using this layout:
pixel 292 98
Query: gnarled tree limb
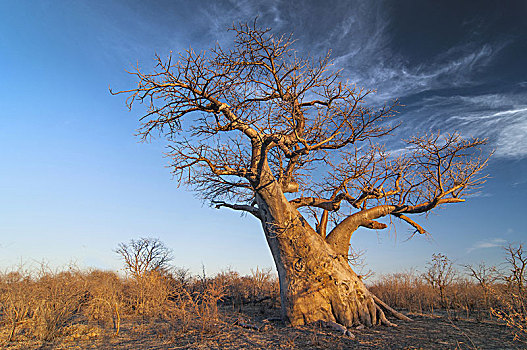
pixel 242 207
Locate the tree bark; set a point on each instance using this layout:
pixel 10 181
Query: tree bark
pixel 316 282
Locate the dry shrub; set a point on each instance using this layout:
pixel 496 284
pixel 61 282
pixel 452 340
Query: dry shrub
pixel 172 296
pixel 264 284
pixel 407 290
pixel 105 301
pixel 512 310
pixel 59 297
pixel 195 306
pixel 205 304
pixel 43 303
pixel 235 287
pixel 48 304
pixel 16 303
pixel 411 291
pixel 178 277
pixel 512 297
pixel 148 294
pixel 486 277
pixel 484 291
pixel 465 298
pixel 440 274
pixel 260 285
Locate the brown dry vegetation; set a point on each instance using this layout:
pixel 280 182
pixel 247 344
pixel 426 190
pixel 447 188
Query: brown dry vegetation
pixel 477 307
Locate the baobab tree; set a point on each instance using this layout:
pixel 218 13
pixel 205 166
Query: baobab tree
pixel 258 129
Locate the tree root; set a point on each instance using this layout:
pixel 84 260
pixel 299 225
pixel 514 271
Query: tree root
pixel 364 312
pixel 373 312
pixel 337 327
pixel 383 305
pixel 382 318
pixel 246 325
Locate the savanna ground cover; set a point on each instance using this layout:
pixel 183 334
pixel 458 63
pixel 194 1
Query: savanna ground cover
pixel 162 307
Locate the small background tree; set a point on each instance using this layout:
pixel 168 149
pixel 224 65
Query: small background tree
pixel 440 274
pixel 147 261
pixel 145 255
pixel 516 260
pixel 486 277
pixel 513 304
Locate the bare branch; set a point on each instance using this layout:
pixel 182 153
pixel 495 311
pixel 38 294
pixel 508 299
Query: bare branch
pixel 247 208
pixel 417 227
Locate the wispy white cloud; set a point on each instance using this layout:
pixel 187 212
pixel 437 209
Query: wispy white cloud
pixel 502 118
pixel 509 112
pixel 486 244
pixel 359 35
pixel 512 139
pixel 220 15
pixel 363 51
pixel 368 58
pixel 395 79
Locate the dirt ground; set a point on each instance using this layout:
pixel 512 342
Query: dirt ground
pixel 235 331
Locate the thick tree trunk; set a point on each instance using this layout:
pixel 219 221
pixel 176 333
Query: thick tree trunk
pixel 316 283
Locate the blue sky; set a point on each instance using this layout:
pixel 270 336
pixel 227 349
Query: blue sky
pixel 74 181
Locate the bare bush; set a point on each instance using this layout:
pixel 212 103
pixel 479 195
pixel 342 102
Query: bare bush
pixel 264 284
pixel 483 290
pixel 440 274
pixel 406 290
pixel 196 306
pixel 46 304
pixel 106 295
pixel 16 304
pixel 261 285
pixel 516 259
pixel 205 305
pixel 149 294
pixel 486 277
pixel 411 291
pixel 59 296
pixel 513 302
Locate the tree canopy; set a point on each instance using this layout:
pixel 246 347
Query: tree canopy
pixel 231 115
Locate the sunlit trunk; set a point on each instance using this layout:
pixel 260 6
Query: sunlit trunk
pixel 315 283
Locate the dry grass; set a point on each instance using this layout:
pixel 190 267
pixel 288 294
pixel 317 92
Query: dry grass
pixel 74 304
pixel 481 293
pixel 410 291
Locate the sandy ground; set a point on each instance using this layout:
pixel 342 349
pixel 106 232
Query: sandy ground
pixel 424 332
